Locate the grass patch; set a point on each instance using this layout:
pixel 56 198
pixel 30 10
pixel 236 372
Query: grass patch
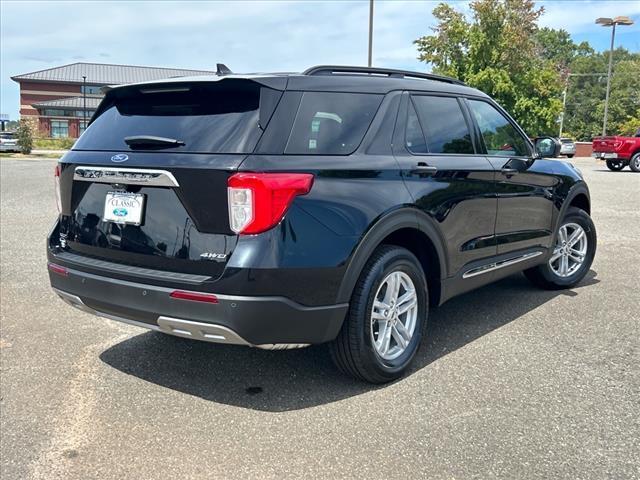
pixel 31 156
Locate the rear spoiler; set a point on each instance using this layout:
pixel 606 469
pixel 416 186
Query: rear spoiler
pixel 273 83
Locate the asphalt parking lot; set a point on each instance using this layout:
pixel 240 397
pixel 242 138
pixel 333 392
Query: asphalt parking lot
pixel 513 382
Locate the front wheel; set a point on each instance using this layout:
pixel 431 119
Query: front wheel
pixel 387 317
pixel 615 165
pixel 572 255
pixel 635 162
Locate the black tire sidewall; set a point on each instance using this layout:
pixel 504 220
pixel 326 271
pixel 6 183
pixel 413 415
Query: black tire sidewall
pixel 575 215
pixel 632 162
pixel 616 168
pixel 397 259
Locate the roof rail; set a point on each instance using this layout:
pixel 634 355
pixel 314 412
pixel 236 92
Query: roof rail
pixel 389 72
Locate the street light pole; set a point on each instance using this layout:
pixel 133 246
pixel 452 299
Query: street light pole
pixel 610 22
pixel 370 33
pixel 606 98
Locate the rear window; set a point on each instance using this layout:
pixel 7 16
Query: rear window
pixel 330 123
pixel 7 135
pixel 566 140
pixel 221 117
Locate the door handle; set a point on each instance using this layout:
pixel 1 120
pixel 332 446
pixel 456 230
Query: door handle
pixel 422 167
pixel 509 172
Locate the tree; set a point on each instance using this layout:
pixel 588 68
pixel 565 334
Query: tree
pixel 25 136
pixel 498 51
pixel 586 94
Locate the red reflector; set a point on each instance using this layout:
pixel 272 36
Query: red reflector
pixel 194 296
pixel 60 270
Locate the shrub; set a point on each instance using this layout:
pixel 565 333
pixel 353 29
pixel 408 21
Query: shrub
pixel 54 143
pixel 25 136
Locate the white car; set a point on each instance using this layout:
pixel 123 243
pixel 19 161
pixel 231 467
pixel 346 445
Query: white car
pixel 8 142
pixel 567 147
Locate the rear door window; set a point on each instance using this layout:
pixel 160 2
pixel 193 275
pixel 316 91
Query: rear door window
pixel 500 136
pixel 444 126
pixel 217 117
pixel 331 123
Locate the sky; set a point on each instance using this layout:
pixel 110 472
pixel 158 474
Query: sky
pixel 250 36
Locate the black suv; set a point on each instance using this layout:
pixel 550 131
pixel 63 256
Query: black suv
pixel 281 210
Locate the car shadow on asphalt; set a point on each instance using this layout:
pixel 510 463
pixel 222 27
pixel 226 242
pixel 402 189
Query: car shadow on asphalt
pixel 278 381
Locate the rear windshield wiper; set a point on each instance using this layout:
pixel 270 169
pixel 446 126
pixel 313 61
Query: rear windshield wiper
pixel 151 142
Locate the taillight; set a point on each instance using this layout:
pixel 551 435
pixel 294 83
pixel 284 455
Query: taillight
pixel 56 175
pixel 258 201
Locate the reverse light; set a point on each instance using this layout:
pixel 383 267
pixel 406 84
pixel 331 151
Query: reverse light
pixel 56 180
pixel 194 296
pixel 258 201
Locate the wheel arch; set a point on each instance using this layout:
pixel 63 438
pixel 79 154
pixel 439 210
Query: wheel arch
pixel 579 197
pixel 406 228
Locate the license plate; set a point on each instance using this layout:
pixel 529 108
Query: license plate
pixel 610 155
pixel 123 207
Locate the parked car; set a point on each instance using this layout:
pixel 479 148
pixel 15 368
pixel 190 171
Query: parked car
pixel 8 142
pixel 567 147
pixel 618 152
pixel 339 205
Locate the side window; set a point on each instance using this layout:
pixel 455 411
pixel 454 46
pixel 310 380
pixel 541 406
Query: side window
pixel 500 137
pixel 331 123
pixel 444 125
pixel 414 138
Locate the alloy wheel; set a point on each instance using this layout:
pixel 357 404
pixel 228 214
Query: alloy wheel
pixel 570 251
pixel 394 315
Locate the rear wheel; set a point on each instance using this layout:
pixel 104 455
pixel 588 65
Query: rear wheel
pixel 615 164
pixel 570 156
pixel 572 255
pixel 386 319
pixel 635 162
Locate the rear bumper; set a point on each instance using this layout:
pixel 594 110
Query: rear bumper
pixel 267 322
pixel 606 155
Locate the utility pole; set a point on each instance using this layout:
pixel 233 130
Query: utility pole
pixel 370 33
pixel 84 102
pixel 610 22
pixel 566 89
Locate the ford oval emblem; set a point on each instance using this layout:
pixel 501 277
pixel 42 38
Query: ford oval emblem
pixel 119 158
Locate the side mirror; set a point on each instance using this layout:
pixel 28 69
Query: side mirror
pixel 546 147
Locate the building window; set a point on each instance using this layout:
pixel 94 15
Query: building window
pixel 59 128
pixel 91 89
pixel 54 112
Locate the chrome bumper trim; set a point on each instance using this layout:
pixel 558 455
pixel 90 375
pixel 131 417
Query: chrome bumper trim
pixel 206 332
pixel 497 265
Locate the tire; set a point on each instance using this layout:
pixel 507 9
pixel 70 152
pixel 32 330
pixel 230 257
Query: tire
pixel 615 165
pixel 549 274
pixel 634 164
pixel 570 156
pixel 357 349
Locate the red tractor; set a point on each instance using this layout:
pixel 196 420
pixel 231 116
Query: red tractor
pixel 618 152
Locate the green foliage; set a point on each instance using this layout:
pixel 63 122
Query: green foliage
pixel 498 51
pixel 24 135
pixel 54 143
pixel 586 95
